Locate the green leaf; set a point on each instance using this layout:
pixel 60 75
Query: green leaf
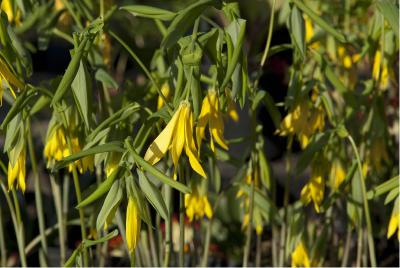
pixel 71 260
pixel 149 12
pixel 89 243
pixel 316 144
pixel 112 200
pixel 17 107
pixel 391 13
pixel 158 174
pixel 239 26
pixel 101 189
pixel 384 187
pixel 392 195
pixel 82 89
pixel 115 146
pixel 296 25
pixel 272 109
pixel 153 195
pixel 115 118
pixel 318 20
pixel 184 20
pixel 102 76
pixel 71 72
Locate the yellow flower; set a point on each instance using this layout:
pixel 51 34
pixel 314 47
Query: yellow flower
pixel 10 79
pixel 337 175
pixel 303 122
pixel 232 112
pixel 211 115
pixel 166 92
pixel 314 189
pixel 347 60
pixel 56 148
pixel 16 171
pixel 394 223
pixel 300 256
pixel 384 72
pixel 309 32
pixel 132 224
pixel 197 205
pixel 112 163
pixel 178 134
pixel 7 7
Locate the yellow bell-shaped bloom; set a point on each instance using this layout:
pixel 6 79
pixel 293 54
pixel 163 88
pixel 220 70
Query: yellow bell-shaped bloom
pixel 112 163
pixel 197 205
pixel 380 68
pixel 176 136
pixel 337 175
pixel 347 60
pixel 56 148
pixel 394 222
pixel 133 222
pixel 166 92
pixel 231 109
pixel 309 32
pixel 17 171
pixel 211 116
pixel 314 189
pixel 300 256
pixel 302 121
pixel 12 16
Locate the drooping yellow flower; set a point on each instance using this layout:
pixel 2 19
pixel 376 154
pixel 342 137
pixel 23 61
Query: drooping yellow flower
pixel 309 32
pixel 337 175
pixel 133 222
pixel 7 75
pixel 112 163
pixel 300 256
pixel 380 68
pixel 17 171
pixel 302 121
pixel 165 90
pixel 12 16
pixel 314 189
pixel 176 136
pixel 347 60
pixel 56 148
pixel 232 112
pixel 210 115
pixel 197 205
pixel 394 222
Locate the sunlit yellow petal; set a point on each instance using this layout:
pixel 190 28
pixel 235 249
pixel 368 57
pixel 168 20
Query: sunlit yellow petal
pixel 132 224
pixel 300 256
pixel 160 145
pixel 178 139
pixel 202 121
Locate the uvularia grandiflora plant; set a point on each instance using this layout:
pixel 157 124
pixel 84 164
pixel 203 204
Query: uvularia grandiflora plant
pixel 154 146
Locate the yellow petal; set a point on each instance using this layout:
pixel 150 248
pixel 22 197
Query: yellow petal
pixel 160 145
pixel 202 121
pixel 8 75
pixel 178 139
pixel 132 224
pixel 377 65
pixel 300 256
pixel 190 147
pixel 207 208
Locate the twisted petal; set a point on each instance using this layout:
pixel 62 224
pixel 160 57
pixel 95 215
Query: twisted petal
pixel 160 145
pixel 202 121
pixel 178 139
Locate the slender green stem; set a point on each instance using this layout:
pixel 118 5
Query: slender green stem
pixel 144 68
pixel 346 249
pixel 359 248
pixel 161 27
pixel 3 250
pixel 270 29
pixel 20 230
pixel 63 35
pixel 132 258
pixel 366 206
pixel 55 188
pixel 258 251
pixel 168 226
pixel 153 251
pixel 38 193
pixel 246 250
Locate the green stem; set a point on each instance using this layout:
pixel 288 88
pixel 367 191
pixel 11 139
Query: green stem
pixel 270 29
pixel 371 246
pixel 55 188
pixel 72 12
pixel 132 258
pixel 3 250
pixel 63 35
pixel 152 246
pixel 359 248
pixel 258 251
pixel 144 68
pixel 38 193
pixel 206 249
pixel 346 248
pixel 19 229
pixel 168 226
pixel 246 250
